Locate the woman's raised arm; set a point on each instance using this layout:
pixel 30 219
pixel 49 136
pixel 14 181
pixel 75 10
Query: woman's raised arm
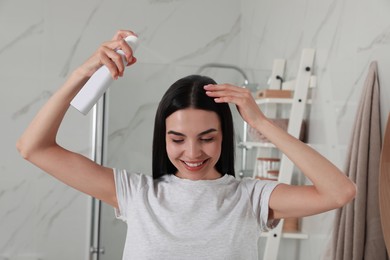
pixel 331 189
pixel 38 142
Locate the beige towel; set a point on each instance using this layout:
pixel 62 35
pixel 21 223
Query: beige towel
pixel 357 232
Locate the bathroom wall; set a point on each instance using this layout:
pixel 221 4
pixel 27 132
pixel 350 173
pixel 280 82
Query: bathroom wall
pixel 42 41
pixel 347 37
pixel 39 217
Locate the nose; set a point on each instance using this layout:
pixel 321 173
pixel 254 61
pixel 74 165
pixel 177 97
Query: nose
pixel 193 150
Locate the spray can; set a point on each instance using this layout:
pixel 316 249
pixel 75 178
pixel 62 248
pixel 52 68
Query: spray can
pixel 99 82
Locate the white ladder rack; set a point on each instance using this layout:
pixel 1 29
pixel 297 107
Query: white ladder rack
pixel 298 104
pixel 296 117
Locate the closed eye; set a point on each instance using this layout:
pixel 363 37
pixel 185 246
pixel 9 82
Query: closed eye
pixel 177 141
pixel 207 140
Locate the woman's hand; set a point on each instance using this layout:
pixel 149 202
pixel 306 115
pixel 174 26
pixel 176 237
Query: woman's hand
pixel 241 97
pixel 331 189
pixel 38 144
pixel 106 55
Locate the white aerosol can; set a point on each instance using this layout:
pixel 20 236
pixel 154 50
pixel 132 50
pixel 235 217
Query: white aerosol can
pixel 99 82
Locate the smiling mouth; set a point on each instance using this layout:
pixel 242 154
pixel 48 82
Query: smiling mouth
pixel 194 166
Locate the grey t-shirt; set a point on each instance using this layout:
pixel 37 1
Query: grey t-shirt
pixel 173 218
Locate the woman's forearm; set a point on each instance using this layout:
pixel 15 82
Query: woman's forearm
pixel 325 176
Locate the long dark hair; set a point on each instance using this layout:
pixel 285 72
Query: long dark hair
pixel 188 92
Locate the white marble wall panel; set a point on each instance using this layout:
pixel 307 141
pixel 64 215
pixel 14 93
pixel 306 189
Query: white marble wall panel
pixel 347 36
pixel 41 42
pixel 37 211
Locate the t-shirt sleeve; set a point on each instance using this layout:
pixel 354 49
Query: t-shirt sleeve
pixel 127 186
pixel 260 193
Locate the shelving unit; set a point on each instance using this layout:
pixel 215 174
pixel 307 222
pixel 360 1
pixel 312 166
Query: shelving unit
pixel 298 104
pixel 262 101
pixel 288 235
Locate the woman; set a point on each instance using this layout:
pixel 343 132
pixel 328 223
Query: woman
pixel 193 207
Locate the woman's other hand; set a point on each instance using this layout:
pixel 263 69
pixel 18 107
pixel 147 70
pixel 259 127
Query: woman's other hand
pixel 239 96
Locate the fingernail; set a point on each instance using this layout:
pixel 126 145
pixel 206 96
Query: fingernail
pixel 132 61
pixel 206 87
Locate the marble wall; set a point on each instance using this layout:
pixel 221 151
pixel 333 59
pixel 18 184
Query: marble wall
pixel 347 37
pixel 42 41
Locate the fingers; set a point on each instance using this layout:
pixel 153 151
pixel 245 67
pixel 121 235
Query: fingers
pixel 241 97
pixel 112 60
pixel 109 56
pixel 228 93
pixel 120 38
pixel 121 34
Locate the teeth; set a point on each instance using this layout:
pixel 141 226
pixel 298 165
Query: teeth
pixel 194 164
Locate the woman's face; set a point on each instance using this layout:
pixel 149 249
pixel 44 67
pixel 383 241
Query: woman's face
pixel 193 143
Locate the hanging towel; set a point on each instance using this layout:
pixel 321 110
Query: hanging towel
pixel 357 231
pixel 384 184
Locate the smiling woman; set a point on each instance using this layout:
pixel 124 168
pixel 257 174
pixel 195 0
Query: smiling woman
pixel 186 108
pixel 192 207
pixel 194 148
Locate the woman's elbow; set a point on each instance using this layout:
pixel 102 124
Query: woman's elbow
pixel 25 150
pixel 21 148
pixel 348 194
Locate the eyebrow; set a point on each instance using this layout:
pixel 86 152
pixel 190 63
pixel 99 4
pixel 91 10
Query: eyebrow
pixel 171 132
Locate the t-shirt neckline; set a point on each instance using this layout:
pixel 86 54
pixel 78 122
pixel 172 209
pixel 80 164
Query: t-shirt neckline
pixel 223 179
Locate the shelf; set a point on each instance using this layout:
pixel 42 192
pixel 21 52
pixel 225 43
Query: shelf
pixel 261 101
pixel 250 145
pixel 288 235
